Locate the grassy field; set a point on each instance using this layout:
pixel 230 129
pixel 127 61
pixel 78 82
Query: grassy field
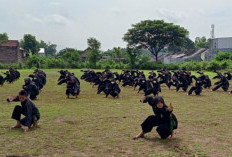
pixel 96 126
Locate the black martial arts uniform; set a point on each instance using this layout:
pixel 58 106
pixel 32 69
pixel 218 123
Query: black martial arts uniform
pixel 102 85
pixel 197 88
pixel 31 89
pixel 174 82
pixel 73 86
pixel 165 121
pixel 155 88
pixel 207 82
pixel 224 83
pixel 112 89
pixel 29 110
pixel 2 80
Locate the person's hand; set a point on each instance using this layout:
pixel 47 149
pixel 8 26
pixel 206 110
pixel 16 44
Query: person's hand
pixel 170 107
pixel 142 99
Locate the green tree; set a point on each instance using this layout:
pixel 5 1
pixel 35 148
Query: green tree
pixel 202 42
pixel 71 57
pixel 132 53
pixel 29 43
pixel 118 53
pixel 155 35
pixel 93 52
pixel 3 38
pixel 188 45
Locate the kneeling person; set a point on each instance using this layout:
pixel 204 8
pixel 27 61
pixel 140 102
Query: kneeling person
pixel 28 109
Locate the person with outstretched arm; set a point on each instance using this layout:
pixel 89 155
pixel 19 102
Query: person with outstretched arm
pixel 163 118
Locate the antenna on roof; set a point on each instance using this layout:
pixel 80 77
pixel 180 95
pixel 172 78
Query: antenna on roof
pixel 212 31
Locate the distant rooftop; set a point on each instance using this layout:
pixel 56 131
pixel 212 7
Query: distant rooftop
pixel 41 51
pixel 10 43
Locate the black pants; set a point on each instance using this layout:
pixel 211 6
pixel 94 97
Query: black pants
pixel 197 90
pixel 172 84
pixel 163 129
pixel 184 87
pixel 152 91
pixel 113 93
pixel 163 81
pixel 17 115
pixel 224 87
pixel 100 89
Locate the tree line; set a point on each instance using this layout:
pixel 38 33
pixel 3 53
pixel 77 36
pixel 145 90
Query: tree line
pixel 145 40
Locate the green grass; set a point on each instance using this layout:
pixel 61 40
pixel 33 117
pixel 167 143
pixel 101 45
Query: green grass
pixel 95 126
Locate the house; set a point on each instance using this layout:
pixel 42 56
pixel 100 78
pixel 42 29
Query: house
pixel 179 57
pixel 41 52
pixel 84 54
pixel 10 52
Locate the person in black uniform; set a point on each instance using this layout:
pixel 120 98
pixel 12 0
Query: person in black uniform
pixel 174 82
pixel 28 109
pixel 102 84
pixel 197 88
pixel 224 83
pixel 31 89
pixel 207 82
pixel 73 86
pixel 155 87
pixel 164 119
pixel 2 80
pixel 112 89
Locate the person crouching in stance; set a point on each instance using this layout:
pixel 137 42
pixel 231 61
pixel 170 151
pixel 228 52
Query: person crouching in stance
pixel 164 119
pixel 28 109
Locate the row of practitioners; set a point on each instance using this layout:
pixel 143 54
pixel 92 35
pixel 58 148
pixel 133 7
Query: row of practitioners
pixel 178 79
pixel 10 76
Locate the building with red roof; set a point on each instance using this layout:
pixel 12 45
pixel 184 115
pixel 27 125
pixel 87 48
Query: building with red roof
pixel 10 52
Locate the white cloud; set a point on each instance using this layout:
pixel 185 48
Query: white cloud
pixel 55 19
pixel 171 15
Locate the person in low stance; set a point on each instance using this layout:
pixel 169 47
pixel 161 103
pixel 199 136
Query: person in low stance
pixel 112 89
pixel 28 109
pixel 163 118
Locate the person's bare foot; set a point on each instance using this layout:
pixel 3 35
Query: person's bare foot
pixel 173 135
pixel 16 126
pixel 141 135
pixel 25 128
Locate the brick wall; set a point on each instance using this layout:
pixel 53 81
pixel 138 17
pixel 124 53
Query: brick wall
pixel 8 55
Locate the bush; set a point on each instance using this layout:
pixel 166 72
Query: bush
pixel 223 56
pixel 213 65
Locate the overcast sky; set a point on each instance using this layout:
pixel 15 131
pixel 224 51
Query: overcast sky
pixel 68 23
